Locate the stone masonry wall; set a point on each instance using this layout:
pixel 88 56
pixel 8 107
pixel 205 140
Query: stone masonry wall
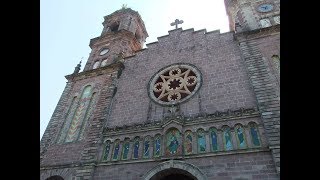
pixel 217 56
pixel 255 165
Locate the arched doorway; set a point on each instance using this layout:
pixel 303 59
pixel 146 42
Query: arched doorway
pixel 55 178
pixel 176 170
pixel 174 174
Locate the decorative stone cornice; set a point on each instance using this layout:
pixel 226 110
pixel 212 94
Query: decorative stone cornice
pixel 108 69
pixel 184 120
pixel 257 33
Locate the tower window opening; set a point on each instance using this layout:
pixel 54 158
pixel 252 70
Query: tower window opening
pixel 114 27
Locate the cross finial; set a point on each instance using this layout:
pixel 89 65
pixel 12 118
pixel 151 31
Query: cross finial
pixel 124 6
pixel 176 22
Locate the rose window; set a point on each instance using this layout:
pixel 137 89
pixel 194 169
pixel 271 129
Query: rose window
pixel 174 84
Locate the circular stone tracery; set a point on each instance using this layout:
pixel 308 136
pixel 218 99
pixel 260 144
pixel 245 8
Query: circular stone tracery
pixel 174 84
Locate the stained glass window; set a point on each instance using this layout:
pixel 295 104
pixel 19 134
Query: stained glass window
pixel 78 117
pixel 201 141
pixel 136 149
pixel 106 151
pixel 157 146
pixel 146 147
pixel 214 139
pixel 254 135
pixel 241 138
pixel 173 142
pixel 125 150
pixel 116 150
pixel 188 142
pixel 227 139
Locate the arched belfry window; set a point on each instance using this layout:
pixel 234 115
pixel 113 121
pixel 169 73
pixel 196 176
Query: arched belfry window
pixel 114 27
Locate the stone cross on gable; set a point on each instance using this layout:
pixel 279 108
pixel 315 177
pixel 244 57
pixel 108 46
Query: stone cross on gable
pixel 176 22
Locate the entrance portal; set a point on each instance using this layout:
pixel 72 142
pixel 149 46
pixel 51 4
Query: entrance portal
pixel 174 174
pixel 174 169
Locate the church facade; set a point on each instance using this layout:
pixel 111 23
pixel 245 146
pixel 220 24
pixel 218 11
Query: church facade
pixel 193 105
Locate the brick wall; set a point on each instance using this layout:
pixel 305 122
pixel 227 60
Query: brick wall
pixel 256 165
pixel 217 56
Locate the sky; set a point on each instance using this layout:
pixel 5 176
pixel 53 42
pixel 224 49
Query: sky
pixel 66 27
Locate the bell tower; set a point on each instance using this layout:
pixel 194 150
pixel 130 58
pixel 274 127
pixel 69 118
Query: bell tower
pixel 123 34
pixel 247 15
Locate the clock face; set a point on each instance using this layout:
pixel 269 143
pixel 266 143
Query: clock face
pixel 104 51
pixel 265 7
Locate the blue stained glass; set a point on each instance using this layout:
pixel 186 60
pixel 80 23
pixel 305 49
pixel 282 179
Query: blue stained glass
pixel 228 143
pixel 116 151
pixel 146 149
pixel 136 150
pixel 125 150
pixel 106 152
pixel 158 145
pixel 242 142
pixel 202 143
pixel 254 136
pixel 214 141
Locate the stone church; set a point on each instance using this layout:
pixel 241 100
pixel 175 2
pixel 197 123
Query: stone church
pixel 193 105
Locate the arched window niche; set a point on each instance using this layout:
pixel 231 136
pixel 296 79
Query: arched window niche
pixel 173 142
pixel 254 135
pixel 241 137
pixel 116 150
pixel 214 139
pixel 227 139
pixel 188 144
pixel 125 148
pixel 106 151
pixel 201 141
pixel 157 145
pixel 136 144
pixel 146 147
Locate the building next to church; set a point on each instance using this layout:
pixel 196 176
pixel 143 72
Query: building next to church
pixel 193 105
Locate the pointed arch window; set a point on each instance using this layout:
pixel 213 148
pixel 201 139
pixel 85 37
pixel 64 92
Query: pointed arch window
pixel 227 138
pixel 125 149
pixel 214 139
pixel 146 147
pixel 79 115
pixel 136 148
pixel 188 142
pixel 106 151
pixel 116 150
pixel 241 139
pixel 157 146
pixel 96 65
pixel 201 141
pixel 254 133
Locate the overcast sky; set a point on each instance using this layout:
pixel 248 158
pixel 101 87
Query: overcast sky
pixel 66 27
